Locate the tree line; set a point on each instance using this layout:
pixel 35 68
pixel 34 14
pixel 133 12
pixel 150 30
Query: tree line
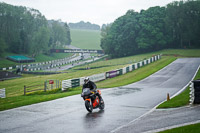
pixel 177 25
pixel 84 25
pixel 26 31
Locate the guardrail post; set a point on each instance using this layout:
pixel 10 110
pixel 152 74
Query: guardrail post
pixel 56 83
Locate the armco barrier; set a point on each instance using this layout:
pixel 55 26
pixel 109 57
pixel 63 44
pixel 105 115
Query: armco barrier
pixel 111 74
pixel 98 77
pixel 124 70
pixel 138 65
pixel 94 78
pixel 119 72
pixel 66 84
pixel 75 82
pixel 127 69
pixel 133 67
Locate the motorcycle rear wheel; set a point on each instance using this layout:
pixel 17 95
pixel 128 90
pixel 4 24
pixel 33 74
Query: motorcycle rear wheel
pixel 88 106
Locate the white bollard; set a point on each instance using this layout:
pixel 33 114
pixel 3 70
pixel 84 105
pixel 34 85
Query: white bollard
pixel 3 93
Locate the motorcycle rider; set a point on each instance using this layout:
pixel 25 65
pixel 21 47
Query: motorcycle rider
pixel 89 84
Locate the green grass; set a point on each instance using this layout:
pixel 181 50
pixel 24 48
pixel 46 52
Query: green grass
pixel 14 89
pixel 17 101
pixel 180 100
pixel 54 56
pixel 181 52
pixel 194 128
pixel 85 39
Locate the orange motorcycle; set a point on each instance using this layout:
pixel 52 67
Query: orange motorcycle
pixel 92 101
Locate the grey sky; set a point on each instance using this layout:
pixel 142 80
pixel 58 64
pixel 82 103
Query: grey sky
pixel 95 11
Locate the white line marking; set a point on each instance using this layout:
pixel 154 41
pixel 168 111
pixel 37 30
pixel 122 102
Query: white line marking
pixel 171 127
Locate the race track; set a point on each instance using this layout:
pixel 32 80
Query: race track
pixel 123 105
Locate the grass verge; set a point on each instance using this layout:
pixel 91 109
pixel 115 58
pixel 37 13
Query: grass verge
pixel 20 100
pixel 194 128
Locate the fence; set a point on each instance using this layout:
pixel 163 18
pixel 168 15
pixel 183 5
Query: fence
pixel 42 65
pixel 48 85
pixel 70 83
pixel 52 84
pixel 3 93
pixel 29 88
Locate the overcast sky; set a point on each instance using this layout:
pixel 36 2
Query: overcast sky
pixel 94 11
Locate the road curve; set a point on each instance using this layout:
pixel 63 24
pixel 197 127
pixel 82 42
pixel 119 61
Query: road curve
pixel 123 105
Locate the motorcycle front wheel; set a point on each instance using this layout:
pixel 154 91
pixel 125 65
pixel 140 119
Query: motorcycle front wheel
pixel 88 106
pixel 102 105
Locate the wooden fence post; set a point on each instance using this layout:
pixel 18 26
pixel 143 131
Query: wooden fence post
pixel 45 86
pixel 24 90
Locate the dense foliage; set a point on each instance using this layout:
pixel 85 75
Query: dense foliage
pixel 175 26
pixel 84 25
pixel 25 30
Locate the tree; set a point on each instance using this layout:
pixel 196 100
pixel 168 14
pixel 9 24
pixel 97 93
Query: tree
pixel 26 31
pixel 68 36
pixel 152 35
pixel 40 41
pixel 173 26
pixel 3 46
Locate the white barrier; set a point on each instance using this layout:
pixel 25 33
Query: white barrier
pixel 66 84
pixel 152 59
pixel 140 63
pixel 94 78
pixel 3 93
pixel 130 68
pixel 136 67
pixel 124 70
pixel 98 77
pixel 149 61
pixel 156 58
pixel 145 62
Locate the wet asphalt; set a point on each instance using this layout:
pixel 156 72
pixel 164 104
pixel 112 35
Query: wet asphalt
pixel 123 105
pixel 163 119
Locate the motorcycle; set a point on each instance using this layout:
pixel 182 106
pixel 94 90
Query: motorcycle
pixel 92 101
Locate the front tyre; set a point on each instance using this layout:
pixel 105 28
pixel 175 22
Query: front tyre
pixel 88 106
pixel 102 104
